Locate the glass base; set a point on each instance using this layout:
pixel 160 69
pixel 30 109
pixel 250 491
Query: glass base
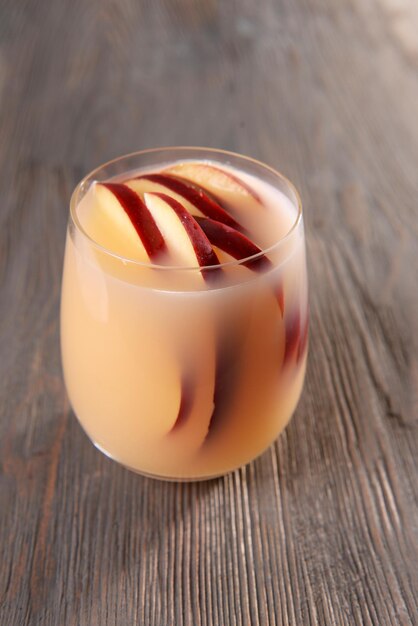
pixel 171 479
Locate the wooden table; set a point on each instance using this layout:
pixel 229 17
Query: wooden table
pixel 322 529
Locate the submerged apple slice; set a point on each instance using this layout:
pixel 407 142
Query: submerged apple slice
pixel 197 384
pixel 246 367
pixel 304 335
pixel 297 329
pixel 221 182
pixel 195 200
pixel 227 372
pixel 186 242
pixel 192 334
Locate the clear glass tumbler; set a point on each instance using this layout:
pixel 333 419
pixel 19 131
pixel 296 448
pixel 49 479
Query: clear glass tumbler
pixel 171 376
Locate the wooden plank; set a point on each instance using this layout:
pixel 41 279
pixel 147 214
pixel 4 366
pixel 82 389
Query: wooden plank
pixel 322 528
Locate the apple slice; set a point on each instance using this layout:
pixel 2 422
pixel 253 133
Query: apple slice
pixel 192 333
pixel 117 218
pixel 234 243
pixel 196 200
pixel 221 182
pixel 137 212
pixel 186 242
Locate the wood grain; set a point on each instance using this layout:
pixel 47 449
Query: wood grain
pixel 322 529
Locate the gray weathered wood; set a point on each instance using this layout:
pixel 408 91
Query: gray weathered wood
pixel 323 528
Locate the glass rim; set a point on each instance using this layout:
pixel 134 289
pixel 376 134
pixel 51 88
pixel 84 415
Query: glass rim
pixel 180 268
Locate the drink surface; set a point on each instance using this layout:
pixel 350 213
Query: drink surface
pixel 184 347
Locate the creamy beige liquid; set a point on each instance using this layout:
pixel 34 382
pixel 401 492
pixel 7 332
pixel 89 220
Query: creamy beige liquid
pixel 137 341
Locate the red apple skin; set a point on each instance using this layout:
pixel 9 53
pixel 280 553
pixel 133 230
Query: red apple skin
pixel 279 291
pixel 304 336
pixel 233 243
pixel 205 254
pixel 228 354
pixel 292 336
pixel 297 331
pixel 141 219
pixel 195 195
pixel 187 397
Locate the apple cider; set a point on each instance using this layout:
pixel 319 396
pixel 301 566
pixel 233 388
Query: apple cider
pixel 184 311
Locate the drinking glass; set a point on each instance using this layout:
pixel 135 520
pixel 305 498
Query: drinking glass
pixel 172 379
